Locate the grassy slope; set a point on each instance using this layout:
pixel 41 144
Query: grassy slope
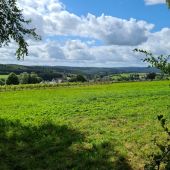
pixel 95 127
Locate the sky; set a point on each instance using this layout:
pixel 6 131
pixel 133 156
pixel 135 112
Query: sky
pixel 93 33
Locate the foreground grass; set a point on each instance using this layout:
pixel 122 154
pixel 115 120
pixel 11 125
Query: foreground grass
pixel 93 127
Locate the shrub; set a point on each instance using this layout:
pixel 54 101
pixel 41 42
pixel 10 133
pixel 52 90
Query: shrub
pixel 12 79
pixel 34 78
pixel 151 76
pixel 161 159
pixel 2 81
pixel 24 78
pixel 78 78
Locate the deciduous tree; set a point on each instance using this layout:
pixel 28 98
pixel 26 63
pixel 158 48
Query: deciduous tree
pixel 13 26
pixel 168 2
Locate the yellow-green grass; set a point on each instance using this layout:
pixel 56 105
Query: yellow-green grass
pixel 92 127
pixel 3 76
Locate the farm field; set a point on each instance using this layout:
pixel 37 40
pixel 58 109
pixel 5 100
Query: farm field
pixel 92 127
pixel 3 76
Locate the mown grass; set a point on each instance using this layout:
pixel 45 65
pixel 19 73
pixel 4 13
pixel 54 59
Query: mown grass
pixel 91 127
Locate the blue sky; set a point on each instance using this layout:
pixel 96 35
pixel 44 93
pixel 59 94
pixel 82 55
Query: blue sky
pixel 93 33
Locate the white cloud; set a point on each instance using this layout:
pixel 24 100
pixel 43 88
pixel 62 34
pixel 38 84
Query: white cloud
pixel 153 2
pixel 88 40
pixel 73 53
pixel 114 31
pixel 158 42
pixel 51 18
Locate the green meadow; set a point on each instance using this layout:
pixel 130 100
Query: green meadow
pixel 96 127
pixel 3 76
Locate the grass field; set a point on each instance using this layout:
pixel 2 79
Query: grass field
pixel 88 128
pixel 3 76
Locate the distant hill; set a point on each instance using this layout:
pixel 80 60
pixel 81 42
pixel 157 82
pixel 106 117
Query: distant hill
pixel 60 70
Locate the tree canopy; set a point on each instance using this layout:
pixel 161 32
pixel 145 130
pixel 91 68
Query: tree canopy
pixel 168 3
pixel 12 79
pixel 13 27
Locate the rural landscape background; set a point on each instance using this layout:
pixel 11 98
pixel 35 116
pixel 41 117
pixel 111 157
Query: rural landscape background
pixel 88 88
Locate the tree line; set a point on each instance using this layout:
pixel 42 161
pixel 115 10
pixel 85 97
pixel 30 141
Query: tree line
pixel 23 78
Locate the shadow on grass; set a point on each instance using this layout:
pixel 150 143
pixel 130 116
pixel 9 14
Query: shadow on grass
pixel 49 147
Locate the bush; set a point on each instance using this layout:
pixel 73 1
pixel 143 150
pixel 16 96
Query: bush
pixel 2 81
pixel 32 78
pixel 78 78
pixel 12 79
pixel 24 78
pixel 151 76
pixel 162 158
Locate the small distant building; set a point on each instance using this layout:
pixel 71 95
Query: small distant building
pixel 57 80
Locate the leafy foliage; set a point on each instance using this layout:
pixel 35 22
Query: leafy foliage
pixel 32 78
pixel 12 79
pixel 24 78
pixel 151 76
pixel 78 78
pixel 168 2
pixel 162 158
pixel 12 27
pixel 161 62
pixel 2 81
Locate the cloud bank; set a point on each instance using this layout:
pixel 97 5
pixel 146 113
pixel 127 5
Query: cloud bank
pixel 69 39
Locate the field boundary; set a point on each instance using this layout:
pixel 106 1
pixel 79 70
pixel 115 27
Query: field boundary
pixel 21 87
